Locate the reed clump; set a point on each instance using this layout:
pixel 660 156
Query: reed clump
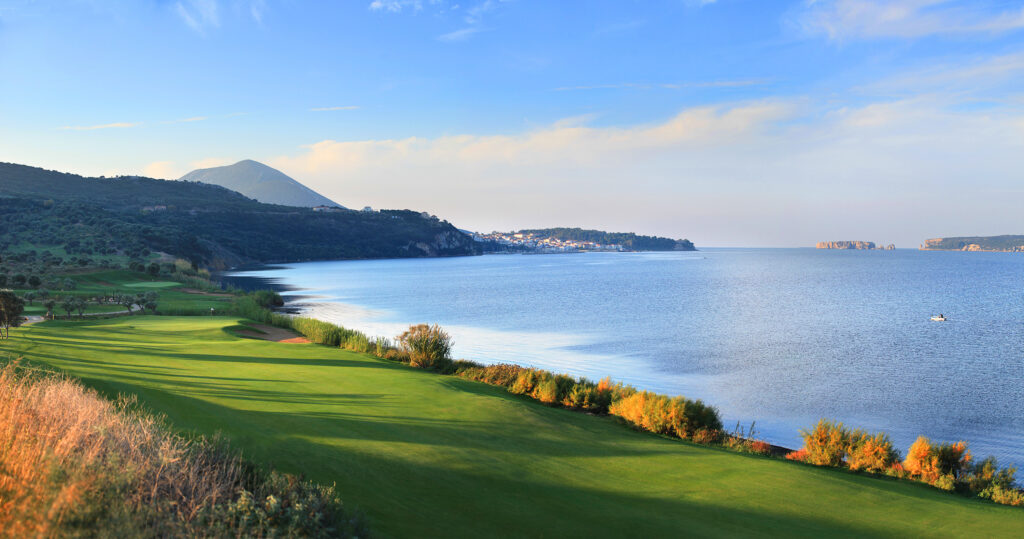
pixel 73 463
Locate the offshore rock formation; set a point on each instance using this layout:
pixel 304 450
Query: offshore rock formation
pixel 847 245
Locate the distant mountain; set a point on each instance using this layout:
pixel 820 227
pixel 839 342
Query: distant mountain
pixel 258 181
pixel 976 243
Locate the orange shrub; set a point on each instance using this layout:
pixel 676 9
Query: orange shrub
pixel 800 455
pixel 826 443
pixel 931 463
pixel 870 452
pixel 760 447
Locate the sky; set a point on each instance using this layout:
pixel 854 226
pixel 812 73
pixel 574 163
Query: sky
pixel 727 122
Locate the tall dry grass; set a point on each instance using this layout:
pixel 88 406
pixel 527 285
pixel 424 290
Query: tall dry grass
pixel 74 463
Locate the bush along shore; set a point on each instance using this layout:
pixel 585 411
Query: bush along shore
pixel 75 464
pixel 947 466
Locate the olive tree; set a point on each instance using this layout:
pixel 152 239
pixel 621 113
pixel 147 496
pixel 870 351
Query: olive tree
pixel 11 307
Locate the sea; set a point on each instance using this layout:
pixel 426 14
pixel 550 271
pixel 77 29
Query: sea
pixel 776 339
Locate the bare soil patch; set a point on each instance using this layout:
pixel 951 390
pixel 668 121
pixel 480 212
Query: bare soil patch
pixel 198 292
pixel 270 333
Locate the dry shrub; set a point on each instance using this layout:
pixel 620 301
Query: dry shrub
pixel 826 443
pixel 73 463
pixel 930 463
pixel 760 447
pixel 800 455
pixel 676 416
pixel 429 347
pixel 870 452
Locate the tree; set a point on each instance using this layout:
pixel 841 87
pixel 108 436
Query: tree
pixel 151 305
pixel 11 307
pixel 29 297
pixel 126 301
pixel 3 279
pixel 34 281
pixel 49 304
pixel 153 269
pixel 68 305
pixel 19 280
pixel 80 306
pixel 70 284
pixel 42 293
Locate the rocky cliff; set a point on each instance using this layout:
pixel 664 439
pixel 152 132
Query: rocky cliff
pixel 845 245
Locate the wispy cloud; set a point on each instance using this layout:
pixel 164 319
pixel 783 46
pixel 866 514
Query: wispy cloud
pixel 864 19
pixel 395 6
pixel 198 14
pixel 664 86
pixel 804 172
pixel 187 120
pixel 324 109
pixel 459 35
pixel 116 125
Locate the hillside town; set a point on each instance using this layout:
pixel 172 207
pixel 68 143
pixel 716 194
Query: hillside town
pixel 519 241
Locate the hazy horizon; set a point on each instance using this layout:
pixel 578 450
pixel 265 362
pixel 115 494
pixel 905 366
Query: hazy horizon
pixel 728 122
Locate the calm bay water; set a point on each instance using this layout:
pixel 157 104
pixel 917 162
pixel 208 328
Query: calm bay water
pixel 777 336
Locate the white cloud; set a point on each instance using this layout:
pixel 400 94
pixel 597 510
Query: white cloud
pixel 859 19
pixel 773 173
pixel 161 169
pixel 325 109
pixel 395 6
pixel 198 14
pixel 458 35
pixel 187 120
pixel 116 125
pixel 665 86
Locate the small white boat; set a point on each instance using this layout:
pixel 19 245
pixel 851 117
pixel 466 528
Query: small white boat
pixel 939 318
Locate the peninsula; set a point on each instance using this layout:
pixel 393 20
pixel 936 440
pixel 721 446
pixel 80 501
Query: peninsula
pixel 575 240
pixel 1001 244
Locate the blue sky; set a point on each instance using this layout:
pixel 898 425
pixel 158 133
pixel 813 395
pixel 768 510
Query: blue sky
pixel 730 122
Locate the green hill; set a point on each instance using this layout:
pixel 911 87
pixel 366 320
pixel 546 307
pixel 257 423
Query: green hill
pixel 60 216
pixel 260 182
pixel 435 456
pixel 1008 243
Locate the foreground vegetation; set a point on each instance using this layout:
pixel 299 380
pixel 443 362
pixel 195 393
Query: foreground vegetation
pixel 428 455
pixel 75 464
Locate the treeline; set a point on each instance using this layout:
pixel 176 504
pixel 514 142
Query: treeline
pixel 628 240
pixel 95 219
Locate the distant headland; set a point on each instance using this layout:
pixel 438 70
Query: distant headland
pixel 859 245
pixel 1003 244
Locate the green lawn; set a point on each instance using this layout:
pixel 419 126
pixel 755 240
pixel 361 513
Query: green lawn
pixel 170 297
pixel 430 455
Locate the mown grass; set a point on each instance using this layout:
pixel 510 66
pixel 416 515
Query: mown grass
pixel 429 455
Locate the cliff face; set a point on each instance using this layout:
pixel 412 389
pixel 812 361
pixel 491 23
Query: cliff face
pixel 846 245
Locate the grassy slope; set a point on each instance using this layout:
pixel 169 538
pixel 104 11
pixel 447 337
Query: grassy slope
pixel 88 285
pixel 425 455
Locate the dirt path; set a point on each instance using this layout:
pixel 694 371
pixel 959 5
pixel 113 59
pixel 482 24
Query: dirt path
pixel 271 333
pixel 198 292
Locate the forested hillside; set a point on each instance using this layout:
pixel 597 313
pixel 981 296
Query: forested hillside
pixel 62 216
pixel 628 240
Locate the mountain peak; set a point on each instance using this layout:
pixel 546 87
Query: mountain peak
pixel 261 182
